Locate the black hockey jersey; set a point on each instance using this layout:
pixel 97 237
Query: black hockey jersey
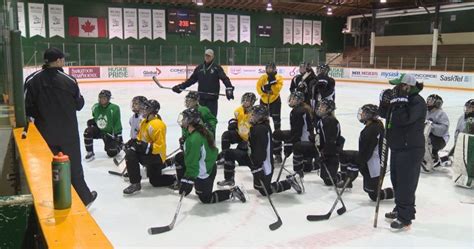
pixel 370 147
pixel 304 83
pixel 208 77
pixel 324 88
pixel 328 135
pixel 261 147
pixel 301 123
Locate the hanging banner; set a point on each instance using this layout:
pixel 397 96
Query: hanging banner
pixel 21 18
pixel 307 29
pixel 219 24
pixel 144 24
pixel 56 20
pixel 36 19
pixel 159 30
pixel 115 23
pixel 316 33
pixel 205 26
pixel 90 27
pixel 287 31
pixel 232 24
pixel 245 29
pixel 130 22
pixel 297 31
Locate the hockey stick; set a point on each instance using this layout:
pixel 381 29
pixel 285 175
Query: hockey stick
pixel 117 163
pixel 281 169
pixel 341 210
pixel 155 79
pixel 277 224
pixel 383 168
pixel 157 230
pixel 326 216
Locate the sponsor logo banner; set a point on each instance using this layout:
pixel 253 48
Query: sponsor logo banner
pixel 117 72
pixel 364 74
pixel 85 72
pixel 337 72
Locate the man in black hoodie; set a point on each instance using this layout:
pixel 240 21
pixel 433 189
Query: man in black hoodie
pixel 52 98
pixel 405 110
pixel 208 75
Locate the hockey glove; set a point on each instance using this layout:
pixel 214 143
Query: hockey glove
pixel 91 123
pixel 352 172
pixel 232 125
pixel 287 149
pixel 229 92
pixel 181 143
pixel 177 88
pixel 141 147
pixel 186 186
pixel 258 174
pixel 267 88
pixel 385 97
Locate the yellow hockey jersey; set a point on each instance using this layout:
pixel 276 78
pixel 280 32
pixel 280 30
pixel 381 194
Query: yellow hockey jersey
pixel 154 131
pixel 275 88
pixel 243 122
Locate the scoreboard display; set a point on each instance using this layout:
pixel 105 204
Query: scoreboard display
pixel 182 21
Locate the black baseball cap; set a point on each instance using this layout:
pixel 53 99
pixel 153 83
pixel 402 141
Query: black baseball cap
pixel 52 55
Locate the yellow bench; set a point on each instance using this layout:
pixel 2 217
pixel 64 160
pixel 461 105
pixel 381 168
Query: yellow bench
pixel 69 228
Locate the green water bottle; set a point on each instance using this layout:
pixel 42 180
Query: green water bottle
pixel 61 181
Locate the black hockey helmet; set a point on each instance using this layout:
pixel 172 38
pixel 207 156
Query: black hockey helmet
pixel 325 107
pixel 259 114
pixel 191 100
pixel 105 94
pixel 305 67
pixel 323 69
pixel 272 66
pixel 152 107
pixel 368 112
pixel 469 107
pixel 248 97
pixel 434 100
pixel 139 104
pixel 296 95
pixel 190 116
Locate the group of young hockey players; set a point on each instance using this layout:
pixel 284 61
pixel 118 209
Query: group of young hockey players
pixel 314 140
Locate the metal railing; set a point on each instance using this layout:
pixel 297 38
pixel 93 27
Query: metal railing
pixel 88 54
pixel 407 62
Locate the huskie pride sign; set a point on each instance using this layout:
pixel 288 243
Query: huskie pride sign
pixel 143 73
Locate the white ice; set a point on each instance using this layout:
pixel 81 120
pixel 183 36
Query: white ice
pixel 441 219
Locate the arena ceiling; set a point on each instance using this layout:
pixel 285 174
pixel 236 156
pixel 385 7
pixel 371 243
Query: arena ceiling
pixel 339 8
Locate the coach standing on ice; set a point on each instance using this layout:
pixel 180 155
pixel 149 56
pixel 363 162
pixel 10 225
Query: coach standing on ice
pixel 407 144
pixel 52 99
pixel 208 75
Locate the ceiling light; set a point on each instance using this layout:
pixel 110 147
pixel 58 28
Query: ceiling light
pixel 199 2
pixel 329 13
pixel 269 6
pixel 383 1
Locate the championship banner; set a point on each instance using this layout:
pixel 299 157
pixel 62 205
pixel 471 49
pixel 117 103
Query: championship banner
pixel 115 23
pixel 297 31
pixel 287 31
pixel 232 24
pixel 307 29
pixel 219 24
pixel 130 22
pixel 316 33
pixel 205 26
pixel 21 18
pixel 245 29
pixel 56 20
pixel 36 19
pixel 144 24
pixel 159 30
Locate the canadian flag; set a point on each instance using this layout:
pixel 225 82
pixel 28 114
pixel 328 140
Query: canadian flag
pixel 87 27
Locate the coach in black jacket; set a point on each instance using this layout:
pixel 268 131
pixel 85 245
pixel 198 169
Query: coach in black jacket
pixel 208 75
pixel 407 144
pixel 52 99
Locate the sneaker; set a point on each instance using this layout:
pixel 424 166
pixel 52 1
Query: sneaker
pixel 399 225
pixel 391 215
pixel 293 180
pixel 132 188
pixel 90 156
pixel 226 182
pixel 94 196
pixel 238 193
pixel 278 159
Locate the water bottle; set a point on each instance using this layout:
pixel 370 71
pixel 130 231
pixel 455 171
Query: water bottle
pixel 61 181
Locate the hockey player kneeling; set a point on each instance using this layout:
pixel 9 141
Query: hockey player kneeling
pixel 261 156
pixel 148 149
pixel 367 160
pixel 200 154
pixel 463 163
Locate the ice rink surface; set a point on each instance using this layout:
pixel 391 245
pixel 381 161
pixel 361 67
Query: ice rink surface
pixel 442 221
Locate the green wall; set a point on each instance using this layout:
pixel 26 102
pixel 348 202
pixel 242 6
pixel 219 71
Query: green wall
pixel 188 48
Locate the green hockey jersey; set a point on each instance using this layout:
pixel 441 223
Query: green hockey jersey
pixel 107 118
pixel 199 157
